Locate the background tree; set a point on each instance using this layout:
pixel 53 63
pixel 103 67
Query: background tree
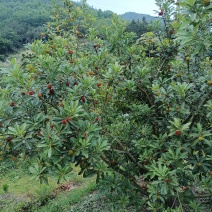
pixel 138 27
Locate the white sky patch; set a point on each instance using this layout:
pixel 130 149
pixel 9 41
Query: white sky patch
pixel 122 6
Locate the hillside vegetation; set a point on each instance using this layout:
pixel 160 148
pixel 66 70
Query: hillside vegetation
pixel 23 21
pixel 137 16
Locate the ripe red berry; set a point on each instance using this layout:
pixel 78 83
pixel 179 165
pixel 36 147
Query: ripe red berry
pixel 160 13
pixel 171 166
pixel 177 132
pixel 8 139
pixel 83 99
pixel 60 104
pixel 49 86
pixel 52 126
pixel 51 91
pixel 131 178
pixel 12 104
pixel 70 52
pixel 64 121
pixel 69 119
pixel 99 84
pixel 40 133
pixel 23 93
pixel 31 93
pixel 112 162
pixel 145 162
pixel 96 119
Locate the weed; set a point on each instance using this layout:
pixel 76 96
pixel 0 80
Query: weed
pixel 5 188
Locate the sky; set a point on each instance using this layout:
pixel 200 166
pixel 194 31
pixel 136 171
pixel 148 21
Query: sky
pixel 122 6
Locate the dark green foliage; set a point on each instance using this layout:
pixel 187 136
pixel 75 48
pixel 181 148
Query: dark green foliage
pixel 138 27
pixel 129 16
pixel 21 22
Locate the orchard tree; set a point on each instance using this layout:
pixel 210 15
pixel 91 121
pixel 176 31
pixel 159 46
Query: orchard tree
pixel 138 115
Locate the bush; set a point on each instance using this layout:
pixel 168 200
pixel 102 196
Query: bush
pixel 117 108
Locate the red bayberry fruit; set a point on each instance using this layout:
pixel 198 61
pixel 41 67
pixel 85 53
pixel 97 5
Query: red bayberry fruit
pixel 83 99
pixel 131 178
pixel 160 13
pixel 60 104
pixel 8 139
pixel 23 93
pixel 40 133
pixel 76 83
pixel 31 93
pixel 52 126
pixel 67 83
pixel 12 104
pixel 171 166
pixel 70 52
pixel 64 121
pixel 49 86
pixel 99 84
pixel 96 119
pixel 177 132
pixel 112 162
pixel 69 119
pixel 51 91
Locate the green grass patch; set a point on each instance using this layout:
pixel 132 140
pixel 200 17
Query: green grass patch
pixel 65 200
pixel 20 192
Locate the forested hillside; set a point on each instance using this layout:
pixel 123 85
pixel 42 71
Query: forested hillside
pixel 136 16
pixel 21 22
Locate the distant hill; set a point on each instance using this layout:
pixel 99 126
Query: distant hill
pixel 129 16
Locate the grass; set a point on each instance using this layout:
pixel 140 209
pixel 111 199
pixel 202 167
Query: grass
pixel 64 200
pixel 19 192
pixel 17 55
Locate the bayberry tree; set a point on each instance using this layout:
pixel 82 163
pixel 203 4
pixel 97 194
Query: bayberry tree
pixel 138 115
